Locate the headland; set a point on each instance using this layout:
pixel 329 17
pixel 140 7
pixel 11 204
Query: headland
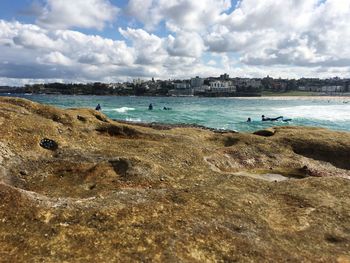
pixel 77 186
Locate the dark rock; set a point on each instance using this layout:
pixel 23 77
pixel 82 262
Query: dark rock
pixel 81 118
pixel 24 173
pixel 265 133
pixel 114 130
pixel 101 118
pixel 49 144
pixel 230 141
pixel 121 166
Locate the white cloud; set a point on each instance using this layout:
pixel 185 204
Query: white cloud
pixel 272 37
pixel 38 53
pixel 185 44
pixel 149 48
pixel 271 32
pixel 34 52
pixel 178 14
pixel 55 58
pixel 64 14
pixel 289 32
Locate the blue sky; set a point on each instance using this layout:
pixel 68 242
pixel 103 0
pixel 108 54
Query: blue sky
pixel 102 40
pixel 19 10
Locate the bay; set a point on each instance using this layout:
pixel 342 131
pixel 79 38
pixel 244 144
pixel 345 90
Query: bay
pixel 219 113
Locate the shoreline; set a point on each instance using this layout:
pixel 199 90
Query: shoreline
pixel 272 95
pixel 169 126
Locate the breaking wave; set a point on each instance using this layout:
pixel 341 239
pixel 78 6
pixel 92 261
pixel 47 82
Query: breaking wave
pixel 123 109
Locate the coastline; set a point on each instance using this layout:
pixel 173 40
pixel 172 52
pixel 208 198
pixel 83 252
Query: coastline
pixel 263 95
pixel 217 113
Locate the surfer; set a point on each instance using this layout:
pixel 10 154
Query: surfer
pixel 150 107
pixel 286 120
pixel 263 118
pixel 98 107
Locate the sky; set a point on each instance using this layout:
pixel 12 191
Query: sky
pixel 120 40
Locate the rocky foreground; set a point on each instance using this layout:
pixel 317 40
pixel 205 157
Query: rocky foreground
pixel 76 186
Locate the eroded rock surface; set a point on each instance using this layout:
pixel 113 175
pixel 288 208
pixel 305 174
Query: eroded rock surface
pixel 114 191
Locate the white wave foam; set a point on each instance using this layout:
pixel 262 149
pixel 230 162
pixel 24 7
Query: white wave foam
pixel 133 119
pixel 123 109
pixel 317 112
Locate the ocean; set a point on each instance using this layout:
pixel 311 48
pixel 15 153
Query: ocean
pixel 219 113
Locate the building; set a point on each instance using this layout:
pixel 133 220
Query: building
pixel 332 89
pixel 324 89
pixel 196 82
pixel 181 89
pixel 224 77
pixel 246 82
pixel 201 89
pixel 222 86
pixel 182 85
pixel 138 81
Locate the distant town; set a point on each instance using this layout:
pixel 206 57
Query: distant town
pixel 222 86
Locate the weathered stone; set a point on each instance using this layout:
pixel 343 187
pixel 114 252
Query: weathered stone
pixel 129 193
pixel 265 133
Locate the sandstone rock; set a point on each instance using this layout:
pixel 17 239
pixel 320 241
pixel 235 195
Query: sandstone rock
pixel 129 193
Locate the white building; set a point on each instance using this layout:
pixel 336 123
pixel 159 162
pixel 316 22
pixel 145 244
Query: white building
pixel 332 89
pixel 182 85
pixel 326 89
pixel 202 88
pixel 222 86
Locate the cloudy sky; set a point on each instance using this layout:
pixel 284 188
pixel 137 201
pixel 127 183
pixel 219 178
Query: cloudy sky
pixel 117 40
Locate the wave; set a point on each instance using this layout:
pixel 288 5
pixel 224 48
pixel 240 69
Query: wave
pixel 123 109
pixel 133 119
pixel 324 112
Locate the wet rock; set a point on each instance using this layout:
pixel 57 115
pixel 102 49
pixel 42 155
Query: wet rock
pixel 49 144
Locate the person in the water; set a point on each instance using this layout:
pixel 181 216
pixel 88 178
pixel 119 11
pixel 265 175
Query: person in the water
pixel 249 120
pixel 98 107
pixel 263 118
pixel 150 107
pixel 166 108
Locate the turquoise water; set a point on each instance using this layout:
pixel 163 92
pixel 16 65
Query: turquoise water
pixel 220 113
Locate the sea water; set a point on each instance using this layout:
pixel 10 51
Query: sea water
pixel 219 113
